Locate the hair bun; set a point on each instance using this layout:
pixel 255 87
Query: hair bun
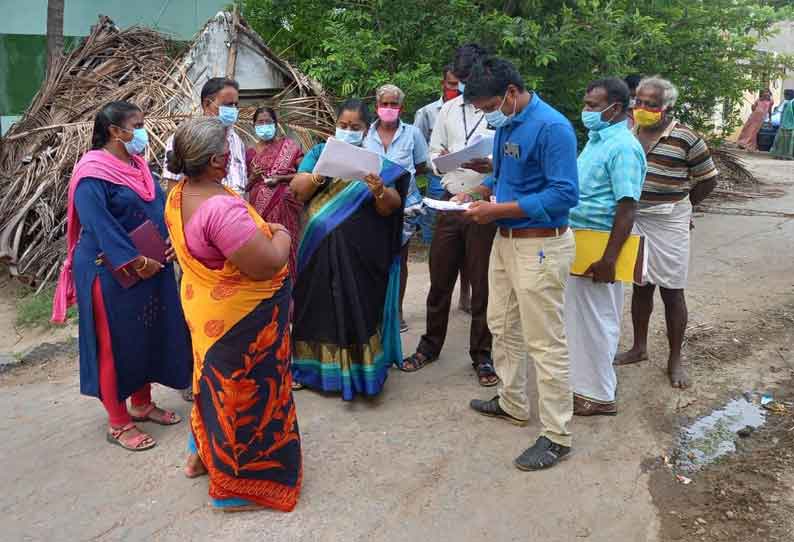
pixel 174 163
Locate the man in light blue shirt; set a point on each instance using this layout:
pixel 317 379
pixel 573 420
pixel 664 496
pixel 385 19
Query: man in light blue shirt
pixel 404 145
pixel 612 169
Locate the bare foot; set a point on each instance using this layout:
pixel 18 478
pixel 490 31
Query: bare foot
pixel 678 375
pixel 635 355
pixel 194 467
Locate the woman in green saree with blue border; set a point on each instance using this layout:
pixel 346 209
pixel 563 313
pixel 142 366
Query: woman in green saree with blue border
pixel 346 321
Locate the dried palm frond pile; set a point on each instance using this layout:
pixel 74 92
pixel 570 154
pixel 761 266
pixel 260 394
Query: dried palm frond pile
pixel 39 152
pixel 736 181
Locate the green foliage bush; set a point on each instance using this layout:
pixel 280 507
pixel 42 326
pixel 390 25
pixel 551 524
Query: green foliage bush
pixel 706 47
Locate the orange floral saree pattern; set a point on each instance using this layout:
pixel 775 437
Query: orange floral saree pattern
pixel 243 420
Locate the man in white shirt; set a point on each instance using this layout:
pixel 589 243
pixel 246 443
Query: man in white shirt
pixel 220 98
pixel 425 121
pixel 458 244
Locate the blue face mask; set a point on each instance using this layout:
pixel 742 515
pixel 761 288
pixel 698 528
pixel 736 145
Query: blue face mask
pixel 592 119
pixel 354 137
pixel 140 138
pixel 228 114
pixel 265 132
pixel 497 119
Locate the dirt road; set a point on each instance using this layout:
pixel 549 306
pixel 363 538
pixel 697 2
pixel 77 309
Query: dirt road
pixel 416 464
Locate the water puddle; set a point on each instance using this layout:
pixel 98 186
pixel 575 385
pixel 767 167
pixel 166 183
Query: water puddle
pixel 713 436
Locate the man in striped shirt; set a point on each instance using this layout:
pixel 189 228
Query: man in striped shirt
pixel 680 175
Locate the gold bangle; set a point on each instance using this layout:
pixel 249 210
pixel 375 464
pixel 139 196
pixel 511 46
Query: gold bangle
pixel 315 181
pixel 382 194
pixel 142 267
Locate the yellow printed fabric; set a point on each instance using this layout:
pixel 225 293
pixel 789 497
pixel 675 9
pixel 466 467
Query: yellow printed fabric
pixel 213 300
pixel 590 247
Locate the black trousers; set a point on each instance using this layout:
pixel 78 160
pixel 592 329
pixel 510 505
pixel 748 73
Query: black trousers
pixel 458 245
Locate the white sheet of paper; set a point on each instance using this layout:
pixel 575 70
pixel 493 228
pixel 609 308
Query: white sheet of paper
pixel 480 146
pixel 345 161
pixel 440 205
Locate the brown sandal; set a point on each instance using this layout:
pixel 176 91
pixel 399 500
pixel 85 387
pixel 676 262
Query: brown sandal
pixel 138 443
pixel 415 362
pixel 166 418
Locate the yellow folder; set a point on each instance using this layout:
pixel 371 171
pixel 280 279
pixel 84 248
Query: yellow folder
pixel 590 247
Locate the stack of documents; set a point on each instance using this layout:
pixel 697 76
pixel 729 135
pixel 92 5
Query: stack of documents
pixel 480 146
pixel 340 160
pixel 440 205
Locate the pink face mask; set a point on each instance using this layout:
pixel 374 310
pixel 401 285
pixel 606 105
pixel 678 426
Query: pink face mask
pixel 388 114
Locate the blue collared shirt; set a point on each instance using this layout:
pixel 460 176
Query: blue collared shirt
pixel 534 161
pixel 407 149
pixel 612 167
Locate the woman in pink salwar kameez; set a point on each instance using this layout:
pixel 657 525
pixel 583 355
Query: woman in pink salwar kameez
pixel 762 110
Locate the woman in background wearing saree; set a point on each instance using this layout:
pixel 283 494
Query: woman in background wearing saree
pixel 271 165
pixel 235 292
pixel 129 337
pixel 346 330
pixel 762 112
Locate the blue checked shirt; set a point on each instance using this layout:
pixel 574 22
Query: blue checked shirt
pixel 611 167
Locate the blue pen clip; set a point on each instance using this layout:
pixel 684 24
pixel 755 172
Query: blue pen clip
pixel 541 256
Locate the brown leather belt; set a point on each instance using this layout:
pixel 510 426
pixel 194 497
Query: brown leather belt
pixel 525 233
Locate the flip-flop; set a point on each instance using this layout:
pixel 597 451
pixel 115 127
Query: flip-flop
pixel 418 361
pixel 169 418
pixel 135 444
pixel 486 374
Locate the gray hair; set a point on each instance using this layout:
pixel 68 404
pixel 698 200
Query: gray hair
pixel 668 90
pixel 194 143
pixel 390 89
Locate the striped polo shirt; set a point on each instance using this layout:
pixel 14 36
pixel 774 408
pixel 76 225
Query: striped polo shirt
pixel 676 163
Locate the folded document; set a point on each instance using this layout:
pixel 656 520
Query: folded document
pixel 590 247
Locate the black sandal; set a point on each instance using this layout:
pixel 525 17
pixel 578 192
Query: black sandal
pixel 541 455
pixel 486 373
pixel 415 362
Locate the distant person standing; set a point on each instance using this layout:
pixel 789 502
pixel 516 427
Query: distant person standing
pixel 425 121
pixel 459 245
pixel 680 175
pixel 220 97
pixel 632 81
pixel 762 112
pixel 783 147
pixel 404 145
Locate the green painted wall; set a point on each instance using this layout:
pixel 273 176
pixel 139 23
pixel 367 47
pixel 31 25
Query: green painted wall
pixel 23 44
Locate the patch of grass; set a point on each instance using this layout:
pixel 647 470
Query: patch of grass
pixel 34 310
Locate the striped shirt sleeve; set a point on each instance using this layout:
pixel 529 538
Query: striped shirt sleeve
pixel 701 165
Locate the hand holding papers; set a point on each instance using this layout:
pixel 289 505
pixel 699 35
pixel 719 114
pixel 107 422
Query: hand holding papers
pixel 480 146
pixel 345 161
pixel 440 205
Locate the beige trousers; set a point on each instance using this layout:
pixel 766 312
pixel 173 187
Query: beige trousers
pixel 526 281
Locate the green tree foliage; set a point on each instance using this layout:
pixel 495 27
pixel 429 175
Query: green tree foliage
pixel 707 47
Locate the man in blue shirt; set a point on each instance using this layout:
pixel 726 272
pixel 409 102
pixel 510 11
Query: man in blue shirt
pixel 404 145
pixel 528 196
pixel 611 172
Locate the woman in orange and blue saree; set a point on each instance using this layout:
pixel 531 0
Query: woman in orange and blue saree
pixel 235 294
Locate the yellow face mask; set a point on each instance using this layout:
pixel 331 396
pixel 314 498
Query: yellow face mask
pixel 646 118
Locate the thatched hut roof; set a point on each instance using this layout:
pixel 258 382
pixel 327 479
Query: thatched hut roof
pixel 38 152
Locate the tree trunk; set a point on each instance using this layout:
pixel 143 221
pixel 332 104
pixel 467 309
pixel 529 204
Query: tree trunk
pixel 54 31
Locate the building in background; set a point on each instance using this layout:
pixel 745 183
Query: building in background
pixel 23 42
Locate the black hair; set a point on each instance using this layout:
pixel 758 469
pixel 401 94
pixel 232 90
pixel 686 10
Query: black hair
pixel 466 56
pixel 260 110
pixel 632 81
pixel 113 114
pixel 215 85
pixel 357 106
pixel 491 77
pixel 788 94
pixel 617 90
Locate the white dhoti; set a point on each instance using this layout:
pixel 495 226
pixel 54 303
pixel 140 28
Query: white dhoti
pixel 593 312
pixel 666 231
